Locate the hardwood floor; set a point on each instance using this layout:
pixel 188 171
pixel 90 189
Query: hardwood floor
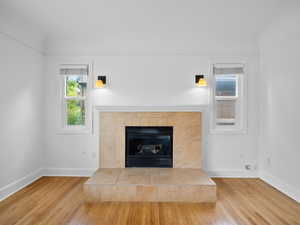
pixel 54 200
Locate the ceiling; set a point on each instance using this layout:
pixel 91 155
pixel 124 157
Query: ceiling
pixel 233 20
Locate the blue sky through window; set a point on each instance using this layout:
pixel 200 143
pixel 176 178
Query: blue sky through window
pixel 226 85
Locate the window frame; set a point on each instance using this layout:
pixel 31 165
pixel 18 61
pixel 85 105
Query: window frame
pixel 240 126
pixel 75 129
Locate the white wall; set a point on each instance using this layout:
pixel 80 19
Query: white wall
pixel 21 104
pixel 149 81
pixel 279 117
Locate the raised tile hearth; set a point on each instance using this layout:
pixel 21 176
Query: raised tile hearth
pixel 150 185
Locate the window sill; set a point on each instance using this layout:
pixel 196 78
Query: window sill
pixel 74 131
pixel 228 131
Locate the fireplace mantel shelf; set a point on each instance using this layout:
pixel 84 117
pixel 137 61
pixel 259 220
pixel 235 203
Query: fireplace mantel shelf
pixel 166 108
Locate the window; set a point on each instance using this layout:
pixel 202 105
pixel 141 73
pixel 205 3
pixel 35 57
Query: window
pixel 228 97
pixel 74 96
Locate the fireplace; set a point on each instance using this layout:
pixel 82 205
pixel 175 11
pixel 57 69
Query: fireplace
pixel 187 142
pixel 149 146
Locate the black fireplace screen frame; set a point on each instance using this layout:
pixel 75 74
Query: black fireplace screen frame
pixel 161 157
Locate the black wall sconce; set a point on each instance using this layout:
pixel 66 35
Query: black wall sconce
pixel 100 82
pixel 200 80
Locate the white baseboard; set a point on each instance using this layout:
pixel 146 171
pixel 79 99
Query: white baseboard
pixel 17 185
pixel 73 172
pixel 232 173
pixel 281 185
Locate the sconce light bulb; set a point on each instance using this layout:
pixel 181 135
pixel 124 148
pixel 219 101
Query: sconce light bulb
pixel 100 84
pixel 202 82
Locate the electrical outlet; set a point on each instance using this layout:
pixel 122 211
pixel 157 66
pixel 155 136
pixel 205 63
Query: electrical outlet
pixel 248 167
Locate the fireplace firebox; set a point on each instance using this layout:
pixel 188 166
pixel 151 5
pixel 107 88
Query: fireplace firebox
pixel 149 146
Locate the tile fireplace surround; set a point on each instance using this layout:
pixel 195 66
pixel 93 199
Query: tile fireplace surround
pixel 187 146
pixel 185 182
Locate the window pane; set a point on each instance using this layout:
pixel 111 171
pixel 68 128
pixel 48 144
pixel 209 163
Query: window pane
pixel 76 85
pixel 226 85
pixel 75 112
pixel 225 112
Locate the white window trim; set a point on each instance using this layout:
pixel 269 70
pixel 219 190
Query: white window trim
pixel 241 127
pixel 63 128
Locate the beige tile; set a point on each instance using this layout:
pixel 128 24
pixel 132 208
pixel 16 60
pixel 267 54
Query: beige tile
pixel 187 193
pixel 169 193
pixel 187 136
pixel 107 192
pixel 147 193
pixel 134 179
pixel 105 176
pixel 125 193
pixel 91 192
pixel 181 177
pixel 134 176
pixel 150 184
pixel 197 193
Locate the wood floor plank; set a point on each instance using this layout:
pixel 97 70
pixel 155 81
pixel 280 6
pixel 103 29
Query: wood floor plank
pixel 60 201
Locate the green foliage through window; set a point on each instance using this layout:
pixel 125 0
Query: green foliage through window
pixel 76 112
pixel 76 86
pixel 76 89
pixel 72 87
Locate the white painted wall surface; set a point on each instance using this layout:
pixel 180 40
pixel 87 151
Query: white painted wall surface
pixel 149 81
pixel 21 104
pixel 279 141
